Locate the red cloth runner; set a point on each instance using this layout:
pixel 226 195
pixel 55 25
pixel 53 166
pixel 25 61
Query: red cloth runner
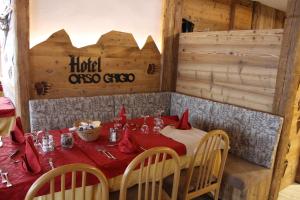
pixel 17 134
pixel 81 153
pixel 31 162
pixel 7 108
pixel 184 123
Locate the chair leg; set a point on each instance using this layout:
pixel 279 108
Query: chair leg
pixel 216 196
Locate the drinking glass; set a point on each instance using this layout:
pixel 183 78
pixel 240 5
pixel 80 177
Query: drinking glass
pixel 117 124
pixel 158 122
pixel 145 127
pixel 157 125
pixel 128 117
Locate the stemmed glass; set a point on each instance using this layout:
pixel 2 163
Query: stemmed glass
pixel 145 127
pixel 117 124
pixel 158 122
pixel 128 117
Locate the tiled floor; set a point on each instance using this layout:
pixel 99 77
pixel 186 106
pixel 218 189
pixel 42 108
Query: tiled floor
pixel 291 192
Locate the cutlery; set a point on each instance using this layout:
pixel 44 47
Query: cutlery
pixel 3 180
pixel 13 153
pixel 112 156
pixel 105 153
pixel 1 142
pixel 112 145
pixel 17 161
pixel 51 163
pixel 8 183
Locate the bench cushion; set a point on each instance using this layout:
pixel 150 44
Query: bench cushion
pixel 242 174
pixel 244 180
pixel 253 135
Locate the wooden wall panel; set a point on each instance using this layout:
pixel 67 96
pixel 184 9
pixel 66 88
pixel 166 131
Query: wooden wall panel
pixel 118 53
pixel 220 15
pixel 207 15
pixel 242 15
pixel 236 67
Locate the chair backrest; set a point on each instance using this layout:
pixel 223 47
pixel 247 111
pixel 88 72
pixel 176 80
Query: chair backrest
pixel 150 167
pixel 207 164
pixel 49 177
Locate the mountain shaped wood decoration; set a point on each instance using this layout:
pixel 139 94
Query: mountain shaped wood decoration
pixel 114 65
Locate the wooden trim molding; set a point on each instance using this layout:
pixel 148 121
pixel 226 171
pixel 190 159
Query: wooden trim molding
pixel 171 28
pixel 287 85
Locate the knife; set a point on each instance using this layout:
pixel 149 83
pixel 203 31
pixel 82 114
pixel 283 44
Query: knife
pixel 1 142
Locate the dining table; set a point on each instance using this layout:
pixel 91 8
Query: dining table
pixel 88 153
pixel 7 115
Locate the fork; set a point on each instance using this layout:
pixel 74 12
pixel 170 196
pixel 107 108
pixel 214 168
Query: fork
pixel 112 156
pixel 3 180
pixel 105 153
pixel 8 183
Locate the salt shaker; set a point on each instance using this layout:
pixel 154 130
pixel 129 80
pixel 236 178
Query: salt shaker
pixel 112 135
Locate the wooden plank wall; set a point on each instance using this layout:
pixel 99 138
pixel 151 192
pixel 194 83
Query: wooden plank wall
pixel 118 54
pixel 236 67
pixel 219 15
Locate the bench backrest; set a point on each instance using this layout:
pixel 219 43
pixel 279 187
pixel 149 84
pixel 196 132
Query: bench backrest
pixel 62 113
pixel 253 135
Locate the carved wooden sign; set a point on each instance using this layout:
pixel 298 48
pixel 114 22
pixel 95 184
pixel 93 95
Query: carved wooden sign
pixel 114 65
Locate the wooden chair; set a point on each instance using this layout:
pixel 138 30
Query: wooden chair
pixel 201 178
pixel 62 171
pixel 150 166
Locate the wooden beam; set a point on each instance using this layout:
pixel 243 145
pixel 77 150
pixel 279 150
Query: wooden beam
pixel 22 60
pixel 288 80
pixel 171 28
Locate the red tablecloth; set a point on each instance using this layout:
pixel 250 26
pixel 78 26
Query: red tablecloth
pixel 146 141
pixel 7 108
pixel 82 152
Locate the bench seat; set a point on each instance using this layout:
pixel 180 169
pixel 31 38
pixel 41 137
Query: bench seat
pixel 244 180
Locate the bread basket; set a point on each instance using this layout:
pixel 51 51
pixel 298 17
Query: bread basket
pixel 88 135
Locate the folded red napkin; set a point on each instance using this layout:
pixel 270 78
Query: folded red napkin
pixel 31 162
pixel 122 115
pixel 183 123
pixel 17 134
pixel 127 144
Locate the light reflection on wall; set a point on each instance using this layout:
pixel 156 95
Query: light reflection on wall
pixel 85 21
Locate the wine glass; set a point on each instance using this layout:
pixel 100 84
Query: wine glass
pixel 158 122
pixel 117 123
pixel 145 127
pixel 157 125
pixel 128 117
